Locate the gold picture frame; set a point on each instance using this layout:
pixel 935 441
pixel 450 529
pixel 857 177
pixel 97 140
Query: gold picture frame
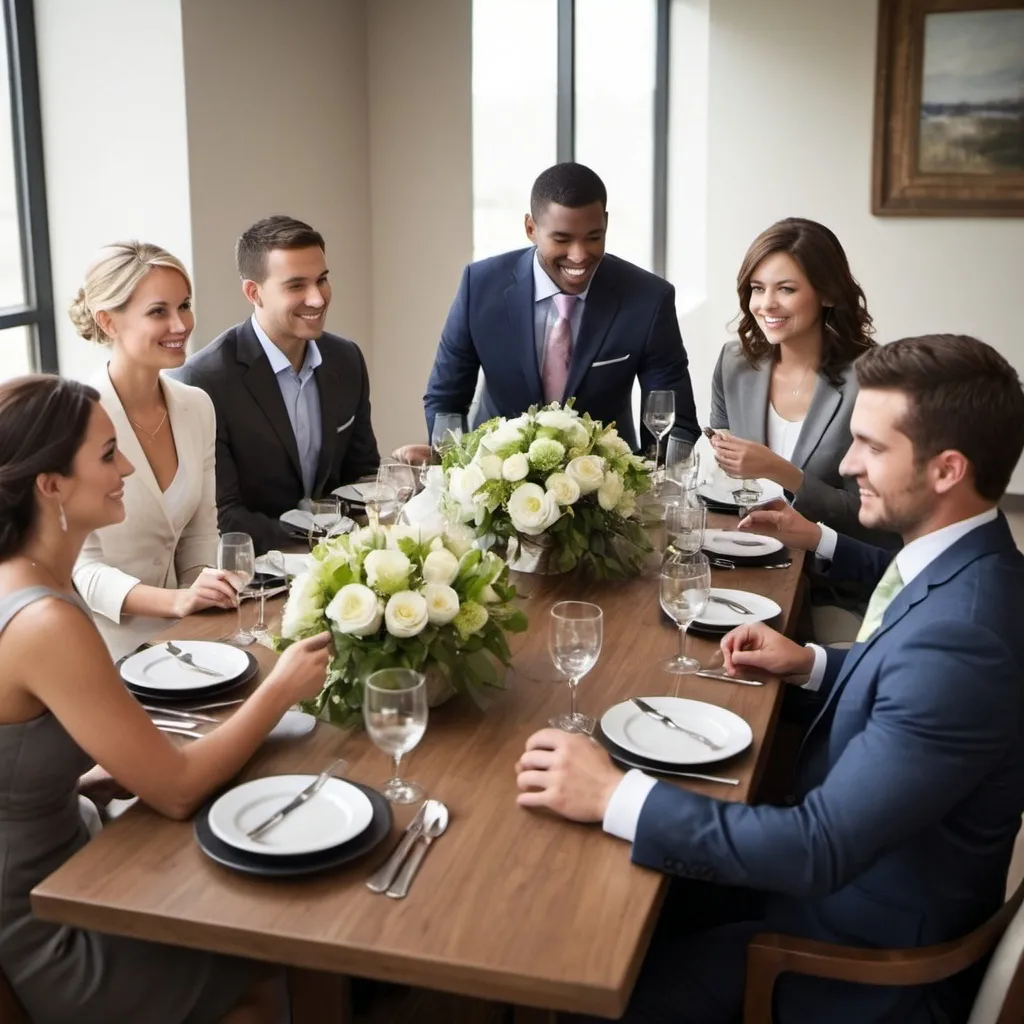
pixel 949 121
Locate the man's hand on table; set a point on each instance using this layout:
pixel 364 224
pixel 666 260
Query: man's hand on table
pixel 779 519
pixel 567 773
pixel 759 646
pixel 413 454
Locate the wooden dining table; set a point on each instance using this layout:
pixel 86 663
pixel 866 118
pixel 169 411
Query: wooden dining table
pixel 512 906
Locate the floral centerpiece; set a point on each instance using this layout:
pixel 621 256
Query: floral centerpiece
pixel 403 596
pixel 555 478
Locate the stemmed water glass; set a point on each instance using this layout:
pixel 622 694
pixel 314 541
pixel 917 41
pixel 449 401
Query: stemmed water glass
pixel 684 529
pixel 575 634
pixel 324 518
pixel 747 496
pixel 395 712
pixel 400 477
pixel 237 558
pixel 682 464
pixel 659 415
pixel 274 561
pixel 685 589
pixel 381 499
pixel 447 430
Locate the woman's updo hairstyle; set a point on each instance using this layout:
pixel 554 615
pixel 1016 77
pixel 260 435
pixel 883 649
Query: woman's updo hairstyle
pixel 43 421
pixel 111 280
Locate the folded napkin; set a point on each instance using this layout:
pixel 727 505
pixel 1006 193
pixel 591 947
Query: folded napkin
pixel 717 485
pixel 301 519
pixel 424 509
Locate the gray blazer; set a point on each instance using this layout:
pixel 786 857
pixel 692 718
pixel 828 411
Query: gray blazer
pixel 739 402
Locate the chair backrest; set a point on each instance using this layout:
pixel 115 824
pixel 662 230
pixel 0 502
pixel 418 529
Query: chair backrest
pixel 1000 999
pixel 10 1009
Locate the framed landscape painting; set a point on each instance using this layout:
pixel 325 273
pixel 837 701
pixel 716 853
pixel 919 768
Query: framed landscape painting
pixel 949 109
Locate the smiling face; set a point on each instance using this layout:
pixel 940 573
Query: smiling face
pixel 570 243
pixel 291 302
pixel 154 326
pixel 782 300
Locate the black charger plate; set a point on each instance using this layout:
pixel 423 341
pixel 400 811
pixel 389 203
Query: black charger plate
pixel 200 693
pixel 299 864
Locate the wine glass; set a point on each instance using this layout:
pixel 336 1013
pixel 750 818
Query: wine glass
pixel 684 528
pixel 659 415
pixel 395 712
pixel 380 499
pixel 274 561
pixel 237 557
pixel 324 518
pixel 446 432
pixel 685 589
pixel 682 463
pixel 574 638
pixel 747 496
pixel 401 478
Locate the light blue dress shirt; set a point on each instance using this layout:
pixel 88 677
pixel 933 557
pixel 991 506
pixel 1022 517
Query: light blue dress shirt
pixel 545 312
pixel 301 400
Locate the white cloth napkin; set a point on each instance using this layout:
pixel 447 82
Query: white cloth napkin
pixel 424 509
pixel 301 519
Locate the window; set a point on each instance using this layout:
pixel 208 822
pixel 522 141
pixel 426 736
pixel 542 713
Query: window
pixel 27 334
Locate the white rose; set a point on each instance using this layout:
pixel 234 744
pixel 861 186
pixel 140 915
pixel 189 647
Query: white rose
pixel 614 444
pixel 356 610
pixel 627 504
pixel 405 614
pixel 304 607
pixel 579 436
pixel 587 471
pixel 556 419
pixel 464 482
pixel 515 467
pixel 458 538
pixel 387 571
pixel 564 488
pixel 421 534
pixel 490 595
pixel 491 465
pixel 532 509
pixel 442 603
pixel 506 434
pixel 440 567
pixel 610 492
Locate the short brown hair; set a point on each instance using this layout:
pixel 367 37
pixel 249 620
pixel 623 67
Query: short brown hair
pixel 848 328
pixel 278 232
pixel 963 395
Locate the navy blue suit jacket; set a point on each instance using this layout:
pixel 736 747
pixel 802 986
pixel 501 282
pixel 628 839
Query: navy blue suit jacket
pixel 629 330
pixel 910 783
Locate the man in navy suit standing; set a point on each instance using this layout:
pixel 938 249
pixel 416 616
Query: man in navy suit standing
pixel 562 318
pixel 910 782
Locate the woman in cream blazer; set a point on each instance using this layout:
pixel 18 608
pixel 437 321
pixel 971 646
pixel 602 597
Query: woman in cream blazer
pixel 138 299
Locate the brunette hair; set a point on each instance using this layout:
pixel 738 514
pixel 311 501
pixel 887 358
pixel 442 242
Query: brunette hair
pixel 847 326
pixel 278 232
pixel 43 420
pixel 962 394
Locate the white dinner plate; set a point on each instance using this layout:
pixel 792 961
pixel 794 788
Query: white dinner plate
pixel 156 669
pixel 719 616
pixel 628 727
pixel 355 492
pixel 300 519
pixel 294 565
pixel 739 544
pixel 338 813
pixel 720 490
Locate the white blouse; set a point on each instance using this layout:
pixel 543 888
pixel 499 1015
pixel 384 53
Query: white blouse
pixel 782 434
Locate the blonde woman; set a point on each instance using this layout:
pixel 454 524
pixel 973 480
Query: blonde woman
pixel 137 300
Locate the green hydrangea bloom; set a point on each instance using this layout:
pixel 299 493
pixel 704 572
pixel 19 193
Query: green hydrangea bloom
pixel 472 617
pixel 545 454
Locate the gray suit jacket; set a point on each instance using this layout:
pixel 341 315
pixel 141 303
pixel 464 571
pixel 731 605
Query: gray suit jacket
pixel 739 402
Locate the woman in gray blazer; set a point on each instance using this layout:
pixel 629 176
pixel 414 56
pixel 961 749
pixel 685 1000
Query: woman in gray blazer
pixel 783 394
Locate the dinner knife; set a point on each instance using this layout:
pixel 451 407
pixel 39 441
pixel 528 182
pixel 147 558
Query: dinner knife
pixel 310 791
pixel 381 879
pixel 725 678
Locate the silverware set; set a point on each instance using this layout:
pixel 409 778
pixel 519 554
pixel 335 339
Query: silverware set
pixel 186 721
pixel 396 874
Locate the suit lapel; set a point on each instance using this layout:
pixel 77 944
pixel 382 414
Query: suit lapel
pixel 261 383
pixel 598 313
pixel 824 405
pixel 519 305
pixel 329 388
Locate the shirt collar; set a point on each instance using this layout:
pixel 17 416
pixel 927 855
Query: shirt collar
pixel 544 287
pixel 278 360
pixel 913 559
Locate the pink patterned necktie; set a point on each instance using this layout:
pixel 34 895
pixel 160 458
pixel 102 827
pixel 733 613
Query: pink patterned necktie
pixel 558 350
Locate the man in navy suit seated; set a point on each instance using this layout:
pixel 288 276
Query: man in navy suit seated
pixel 910 782
pixel 562 318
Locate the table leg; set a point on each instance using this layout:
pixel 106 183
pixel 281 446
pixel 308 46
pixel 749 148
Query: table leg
pixel 318 997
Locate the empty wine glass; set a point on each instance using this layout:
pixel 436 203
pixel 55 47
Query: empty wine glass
pixel 380 499
pixel 659 415
pixel 237 557
pixel 274 561
pixel 685 589
pixel 684 528
pixel 395 712
pixel 324 518
pixel 447 431
pixel 401 478
pixel 682 463
pixel 575 633
pixel 747 496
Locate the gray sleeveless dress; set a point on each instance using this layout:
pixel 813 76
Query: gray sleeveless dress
pixel 63 974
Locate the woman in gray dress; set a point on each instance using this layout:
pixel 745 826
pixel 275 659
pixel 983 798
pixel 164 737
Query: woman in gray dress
pixel 63 709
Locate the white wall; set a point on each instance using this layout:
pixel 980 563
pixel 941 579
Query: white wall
pixel 114 140
pixel 790 106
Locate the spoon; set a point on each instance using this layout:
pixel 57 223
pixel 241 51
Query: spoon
pixel 435 821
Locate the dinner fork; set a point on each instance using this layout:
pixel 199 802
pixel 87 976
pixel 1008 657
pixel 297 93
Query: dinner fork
pixel 654 713
pixel 731 605
pixel 186 659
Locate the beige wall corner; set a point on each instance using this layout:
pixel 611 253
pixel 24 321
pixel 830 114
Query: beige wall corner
pixel 277 123
pixel 421 198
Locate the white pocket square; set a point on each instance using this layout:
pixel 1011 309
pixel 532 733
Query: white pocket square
pixel 608 362
pixel 348 423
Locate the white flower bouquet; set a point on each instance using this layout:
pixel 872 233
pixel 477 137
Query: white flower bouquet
pixel 403 596
pixel 555 473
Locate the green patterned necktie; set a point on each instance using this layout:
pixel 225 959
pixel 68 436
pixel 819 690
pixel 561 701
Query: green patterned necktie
pixel 884 594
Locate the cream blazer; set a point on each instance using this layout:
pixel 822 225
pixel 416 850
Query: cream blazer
pixel 146 547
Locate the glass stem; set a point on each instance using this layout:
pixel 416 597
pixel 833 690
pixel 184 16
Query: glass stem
pixel 682 641
pixel 573 683
pixel 263 608
pixel 397 758
pixel 239 613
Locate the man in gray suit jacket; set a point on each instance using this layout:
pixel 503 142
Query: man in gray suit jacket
pixel 292 402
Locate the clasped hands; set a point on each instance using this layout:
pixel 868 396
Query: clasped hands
pixel 572 775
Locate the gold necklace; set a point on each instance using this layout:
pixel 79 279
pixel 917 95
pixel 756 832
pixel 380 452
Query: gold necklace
pixel 151 434
pixel 796 390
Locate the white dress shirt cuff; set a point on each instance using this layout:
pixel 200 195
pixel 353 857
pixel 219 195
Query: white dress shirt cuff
pixel 826 549
pixel 623 811
pixel 818 672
